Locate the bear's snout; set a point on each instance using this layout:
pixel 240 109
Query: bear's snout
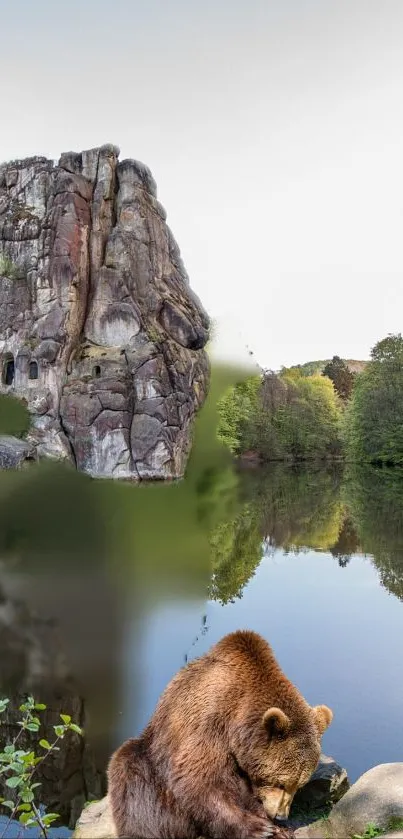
pixel 276 802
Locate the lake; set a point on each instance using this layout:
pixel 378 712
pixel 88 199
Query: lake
pixel 107 589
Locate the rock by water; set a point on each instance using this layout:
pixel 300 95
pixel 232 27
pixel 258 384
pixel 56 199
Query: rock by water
pixel 376 798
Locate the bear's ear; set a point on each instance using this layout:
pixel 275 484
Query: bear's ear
pixel 323 717
pixel 276 722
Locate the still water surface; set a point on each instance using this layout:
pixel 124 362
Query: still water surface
pixel 114 587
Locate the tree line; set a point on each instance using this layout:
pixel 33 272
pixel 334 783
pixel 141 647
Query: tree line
pixel 297 415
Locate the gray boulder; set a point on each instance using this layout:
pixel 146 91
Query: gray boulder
pixel 13 452
pixel 327 785
pixel 376 798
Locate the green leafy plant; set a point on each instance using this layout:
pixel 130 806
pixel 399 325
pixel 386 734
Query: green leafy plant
pixel 370 832
pixel 18 766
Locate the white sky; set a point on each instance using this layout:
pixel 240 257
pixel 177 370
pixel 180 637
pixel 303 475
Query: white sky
pixel 274 129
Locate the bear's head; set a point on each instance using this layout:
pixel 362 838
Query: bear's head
pixel 288 756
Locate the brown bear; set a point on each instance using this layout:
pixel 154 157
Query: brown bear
pixel 230 742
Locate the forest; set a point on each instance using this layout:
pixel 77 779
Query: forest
pixel 330 412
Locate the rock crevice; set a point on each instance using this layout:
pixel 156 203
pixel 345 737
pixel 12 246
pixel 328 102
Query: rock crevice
pixel 100 332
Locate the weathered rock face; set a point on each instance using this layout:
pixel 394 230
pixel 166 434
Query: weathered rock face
pixel 100 332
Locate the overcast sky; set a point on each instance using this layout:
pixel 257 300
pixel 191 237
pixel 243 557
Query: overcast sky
pixel 274 129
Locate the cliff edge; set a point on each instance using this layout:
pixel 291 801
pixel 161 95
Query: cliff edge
pixel 100 332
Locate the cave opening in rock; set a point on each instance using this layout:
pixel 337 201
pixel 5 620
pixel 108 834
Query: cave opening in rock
pixel 96 372
pixel 8 369
pixel 33 370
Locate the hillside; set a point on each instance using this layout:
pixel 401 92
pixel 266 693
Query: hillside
pixel 312 367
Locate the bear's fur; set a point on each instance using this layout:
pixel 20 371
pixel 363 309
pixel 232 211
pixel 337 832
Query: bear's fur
pixel 229 744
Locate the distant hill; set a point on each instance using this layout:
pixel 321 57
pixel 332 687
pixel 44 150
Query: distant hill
pixel 312 367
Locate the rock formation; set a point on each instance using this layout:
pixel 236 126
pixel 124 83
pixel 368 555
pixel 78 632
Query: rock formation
pixel 100 332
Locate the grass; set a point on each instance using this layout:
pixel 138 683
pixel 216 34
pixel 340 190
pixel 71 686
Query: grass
pixel 372 831
pixel 8 268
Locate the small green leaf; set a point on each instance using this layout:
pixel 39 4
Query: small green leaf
pixel 76 728
pixel 36 785
pixel 39 706
pixel 27 795
pixel 59 730
pixel 50 817
pixel 66 718
pixel 27 820
pixel 9 750
pixel 13 782
pixel 25 808
pixel 32 726
pixel 45 744
pixel 9 804
pixel 19 768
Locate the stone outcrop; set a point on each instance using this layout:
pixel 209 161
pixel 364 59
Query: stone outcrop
pixel 375 799
pixel 14 452
pixel 100 332
pixel 327 785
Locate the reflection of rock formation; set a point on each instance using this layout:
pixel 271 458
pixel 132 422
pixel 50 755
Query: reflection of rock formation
pixel 99 330
pixel 32 662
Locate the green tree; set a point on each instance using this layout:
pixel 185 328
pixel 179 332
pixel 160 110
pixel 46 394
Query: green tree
pixel 373 421
pixel 343 379
pixel 309 423
pixel 282 417
pixel 237 412
pixel 389 349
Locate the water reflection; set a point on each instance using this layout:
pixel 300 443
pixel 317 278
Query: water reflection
pixel 103 591
pixel 340 511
